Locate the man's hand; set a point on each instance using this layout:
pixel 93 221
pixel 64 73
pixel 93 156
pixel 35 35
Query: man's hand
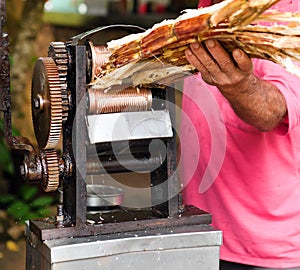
pixel 229 73
pixel 257 102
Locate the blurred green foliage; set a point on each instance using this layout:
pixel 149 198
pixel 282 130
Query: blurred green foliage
pixel 20 202
pixel 27 204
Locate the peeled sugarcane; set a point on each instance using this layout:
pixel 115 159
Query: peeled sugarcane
pixel 157 55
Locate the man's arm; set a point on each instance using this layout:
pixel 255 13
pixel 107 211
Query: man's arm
pixel 257 102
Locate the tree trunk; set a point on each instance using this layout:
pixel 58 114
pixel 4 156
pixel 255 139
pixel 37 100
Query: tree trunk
pixel 24 21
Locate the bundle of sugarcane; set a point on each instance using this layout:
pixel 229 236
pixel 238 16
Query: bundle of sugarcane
pixel 157 55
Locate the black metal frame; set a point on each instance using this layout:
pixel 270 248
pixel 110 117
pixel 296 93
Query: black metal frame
pixel 168 214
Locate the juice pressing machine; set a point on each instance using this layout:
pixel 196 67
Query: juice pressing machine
pixel 82 132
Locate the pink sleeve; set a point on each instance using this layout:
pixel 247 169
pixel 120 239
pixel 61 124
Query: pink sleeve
pixel 288 84
pixel 283 5
pixel 204 3
pixel 287 5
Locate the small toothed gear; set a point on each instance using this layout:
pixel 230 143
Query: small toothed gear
pixel 58 51
pixel 50 180
pixel 46 100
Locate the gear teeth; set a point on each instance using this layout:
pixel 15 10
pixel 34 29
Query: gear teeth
pixel 55 103
pixel 50 180
pixel 58 51
pixel 47 92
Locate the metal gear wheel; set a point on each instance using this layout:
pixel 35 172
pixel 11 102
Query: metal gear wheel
pixel 58 51
pixel 46 100
pixel 50 164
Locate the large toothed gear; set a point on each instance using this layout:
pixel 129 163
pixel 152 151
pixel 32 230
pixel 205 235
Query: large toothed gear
pixel 58 51
pixel 50 180
pixel 46 99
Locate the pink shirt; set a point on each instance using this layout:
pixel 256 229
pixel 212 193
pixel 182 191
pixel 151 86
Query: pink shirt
pixel 248 180
pixel 285 5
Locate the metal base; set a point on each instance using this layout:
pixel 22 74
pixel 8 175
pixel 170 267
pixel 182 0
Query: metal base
pixel 122 221
pixel 187 247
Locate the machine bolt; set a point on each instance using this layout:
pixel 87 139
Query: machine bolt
pixel 60 216
pixel 36 103
pixel 22 170
pixel 60 210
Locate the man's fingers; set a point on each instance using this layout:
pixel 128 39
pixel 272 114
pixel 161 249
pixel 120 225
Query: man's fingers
pixel 242 60
pixel 220 56
pixel 204 57
pixel 194 60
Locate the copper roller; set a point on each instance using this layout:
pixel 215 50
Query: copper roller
pixel 100 55
pixel 115 100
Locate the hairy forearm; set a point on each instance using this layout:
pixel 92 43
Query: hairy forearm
pixel 257 102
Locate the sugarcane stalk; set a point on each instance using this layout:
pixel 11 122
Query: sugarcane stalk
pixel 235 23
